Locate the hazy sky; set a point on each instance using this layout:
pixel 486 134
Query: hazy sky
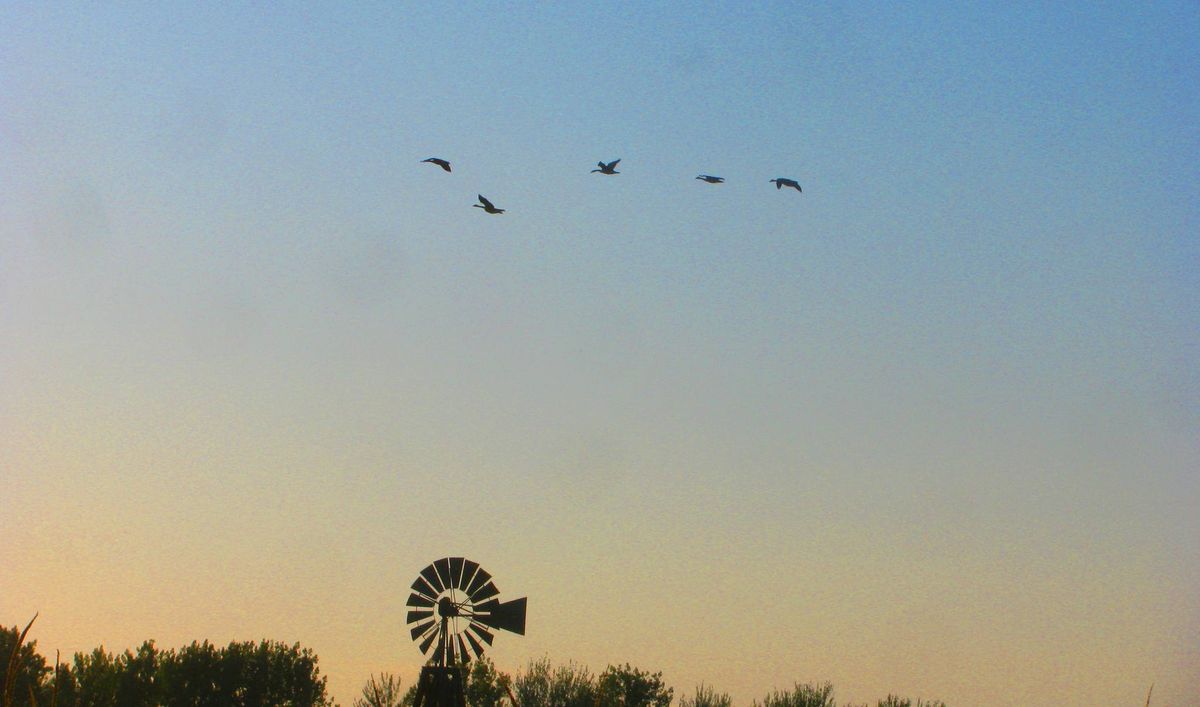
pixel 930 427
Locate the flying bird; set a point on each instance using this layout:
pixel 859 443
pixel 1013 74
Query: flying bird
pixel 781 182
pixel 487 206
pixel 439 162
pixel 711 179
pixel 610 168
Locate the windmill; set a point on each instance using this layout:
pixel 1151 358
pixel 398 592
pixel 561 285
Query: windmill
pixel 453 608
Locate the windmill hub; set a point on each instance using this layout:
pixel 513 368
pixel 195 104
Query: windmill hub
pixel 447 608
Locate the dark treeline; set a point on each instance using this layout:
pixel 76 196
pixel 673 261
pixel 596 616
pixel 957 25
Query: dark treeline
pixel 543 684
pixel 272 673
pixel 199 675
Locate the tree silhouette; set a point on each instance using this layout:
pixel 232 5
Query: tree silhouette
pixel 486 686
pixel 541 685
pixel 806 695
pixel 274 673
pixel 705 696
pixel 381 691
pixel 626 686
pixel 896 701
pixel 29 669
pixel 198 675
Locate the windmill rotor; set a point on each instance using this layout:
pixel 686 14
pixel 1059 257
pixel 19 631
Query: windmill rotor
pixel 454 611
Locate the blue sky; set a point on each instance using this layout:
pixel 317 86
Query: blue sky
pixel 940 408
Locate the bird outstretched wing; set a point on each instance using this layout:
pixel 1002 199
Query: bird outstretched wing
pixel 485 202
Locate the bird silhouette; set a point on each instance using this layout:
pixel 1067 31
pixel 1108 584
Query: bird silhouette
pixel 610 168
pixel 711 179
pixel 781 182
pixel 487 206
pixel 439 162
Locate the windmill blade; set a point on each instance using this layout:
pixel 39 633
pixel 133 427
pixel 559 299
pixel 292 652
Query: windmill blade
pixel 443 570
pixel 469 569
pixel 509 616
pixel 482 632
pixel 422 587
pixel 418 600
pixel 430 575
pixel 487 591
pixel 428 641
pixel 481 577
pixel 462 649
pixel 456 569
pixel 421 628
pixel 475 645
pixel 417 616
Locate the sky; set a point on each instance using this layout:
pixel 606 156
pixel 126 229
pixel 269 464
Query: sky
pixel 929 427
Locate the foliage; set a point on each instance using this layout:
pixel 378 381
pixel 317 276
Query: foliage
pixel 199 675
pixel 381 691
pixel 705 696
pixel 896 701
pixel 541 685
pixel 802 695
pixel 246 674
pixel 627 686
pixel 274 673
pixel 486 686
pixel 25 671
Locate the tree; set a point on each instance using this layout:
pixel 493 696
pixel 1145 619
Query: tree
pixel 274 673
pixel 382 691
pixel 29 669
pixel 94 679
pixel 806 695
pixel 627 686
pixel 199 675
pixel 193 675
pixel 269 672
pixel 897 701
pixel 542 685
pixel 486 686
pixel 138 681
pixel 705 696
